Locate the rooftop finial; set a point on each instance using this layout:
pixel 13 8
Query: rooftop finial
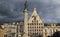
pixel 34 8
pixel 25 4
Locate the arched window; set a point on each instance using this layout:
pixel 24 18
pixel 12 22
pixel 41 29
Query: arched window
pixel 32 21
pixel 28 23
pixel 39 23
pixel 39 26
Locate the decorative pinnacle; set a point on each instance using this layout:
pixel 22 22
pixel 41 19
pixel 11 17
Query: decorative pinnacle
pixel 34 8
pixel 25 5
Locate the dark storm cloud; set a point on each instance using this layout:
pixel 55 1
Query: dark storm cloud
pixel 49 10
pixel 12 10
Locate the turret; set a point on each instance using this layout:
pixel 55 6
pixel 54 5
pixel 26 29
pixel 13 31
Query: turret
pixel 25 32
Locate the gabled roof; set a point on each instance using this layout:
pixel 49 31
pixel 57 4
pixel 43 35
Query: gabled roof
pixel 35 15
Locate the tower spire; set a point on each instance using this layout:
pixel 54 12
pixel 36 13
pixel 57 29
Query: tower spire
pixel 25 5
pixel 25 31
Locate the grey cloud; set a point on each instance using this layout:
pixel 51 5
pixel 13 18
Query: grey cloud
pixel 12 10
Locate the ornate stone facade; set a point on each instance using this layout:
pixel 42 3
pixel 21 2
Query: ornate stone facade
pixel 36 26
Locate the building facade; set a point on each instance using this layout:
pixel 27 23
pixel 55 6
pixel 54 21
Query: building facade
pixel 11 30
pixel 1 31
pixel 34 26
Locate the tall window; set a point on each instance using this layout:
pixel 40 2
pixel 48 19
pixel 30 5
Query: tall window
pixel 37 21
pixel 32 21
pixel 45 32
pixel 34 18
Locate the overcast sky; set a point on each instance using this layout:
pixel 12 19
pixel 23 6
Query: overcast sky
pixel 12 10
